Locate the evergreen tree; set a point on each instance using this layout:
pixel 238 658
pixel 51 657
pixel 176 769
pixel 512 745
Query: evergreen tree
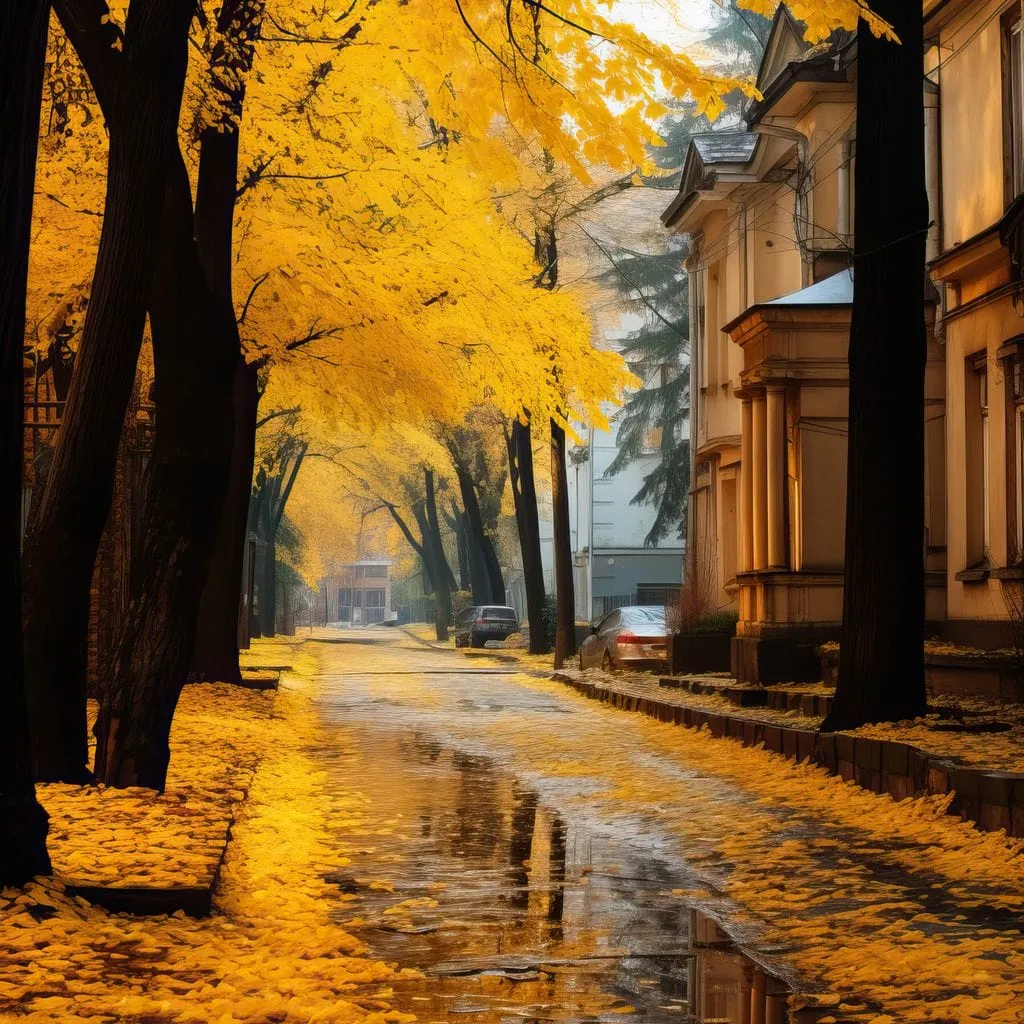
pixel 653 286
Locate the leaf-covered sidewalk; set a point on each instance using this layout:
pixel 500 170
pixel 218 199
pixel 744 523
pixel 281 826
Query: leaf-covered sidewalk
pixel 270 953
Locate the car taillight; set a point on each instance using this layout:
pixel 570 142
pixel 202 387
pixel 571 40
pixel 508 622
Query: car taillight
pixel 631 638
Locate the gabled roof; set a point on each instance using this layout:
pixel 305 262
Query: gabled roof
pixel 789 58
pixel 708 155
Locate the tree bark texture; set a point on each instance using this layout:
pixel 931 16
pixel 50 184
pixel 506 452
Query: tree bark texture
pixel 480 578
pixel 220 625
pixel 195 349
pixel 881 672
pixel 445 580
pixel 219 628
pixel 61 549
pixel 524 493
pixel 23 823
pixel 565 617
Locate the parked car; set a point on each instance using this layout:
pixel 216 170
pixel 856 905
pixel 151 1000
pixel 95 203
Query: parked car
pixel 635 635
pixel 475 626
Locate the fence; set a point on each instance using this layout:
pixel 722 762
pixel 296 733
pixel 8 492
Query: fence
pixel 667 595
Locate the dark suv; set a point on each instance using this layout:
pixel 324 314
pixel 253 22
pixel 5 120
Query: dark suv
pixel 475 626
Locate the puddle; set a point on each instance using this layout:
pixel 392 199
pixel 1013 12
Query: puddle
pixel 515 912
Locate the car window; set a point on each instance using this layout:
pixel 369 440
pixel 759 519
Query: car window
pixel 501 613
pixel 636 616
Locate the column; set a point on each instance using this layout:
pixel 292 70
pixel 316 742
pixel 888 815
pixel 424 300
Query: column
pixel 757 998
pixel 758 470
pixel 746 545
pixel 776 476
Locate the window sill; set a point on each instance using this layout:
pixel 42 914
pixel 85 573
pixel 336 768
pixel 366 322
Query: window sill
pixel 976 574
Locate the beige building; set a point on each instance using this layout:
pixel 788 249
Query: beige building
pixel 769 208
pixel 976 63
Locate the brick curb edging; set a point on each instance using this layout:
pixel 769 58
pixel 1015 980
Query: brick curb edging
pixel 991 799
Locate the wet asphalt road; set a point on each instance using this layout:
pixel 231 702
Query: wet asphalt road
pixel 523 901
pixel 542 857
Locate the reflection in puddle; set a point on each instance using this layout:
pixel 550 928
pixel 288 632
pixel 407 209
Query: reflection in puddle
pixel 515 912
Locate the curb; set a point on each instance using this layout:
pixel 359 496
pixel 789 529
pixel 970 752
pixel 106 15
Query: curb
pixel 991 799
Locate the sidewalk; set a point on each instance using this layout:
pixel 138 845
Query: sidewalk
pixel 272 951
pixel 969 749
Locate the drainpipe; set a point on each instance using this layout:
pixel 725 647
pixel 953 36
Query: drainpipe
pixel 932 169
pixel 693 283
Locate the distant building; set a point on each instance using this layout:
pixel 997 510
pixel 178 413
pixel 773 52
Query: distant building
pixel 357 594
pixel 613 567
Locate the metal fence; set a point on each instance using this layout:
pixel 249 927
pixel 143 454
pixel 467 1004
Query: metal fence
pixel 666 595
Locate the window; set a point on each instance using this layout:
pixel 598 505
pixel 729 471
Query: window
pixel 375 599
pixel 345 604
pixel 977 459
pixel 1012 354
pixel 1013 98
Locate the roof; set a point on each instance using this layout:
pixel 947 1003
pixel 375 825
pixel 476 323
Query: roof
pixel 836 290
pixel 731 147
pixel 789 58
pixel 706 153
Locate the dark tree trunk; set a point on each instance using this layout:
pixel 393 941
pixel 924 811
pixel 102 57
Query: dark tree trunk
pixel 23 822
pixel 462 545
pixel 881 670
pixel 524 493
pixel 565 617
pixel 195 349
pixel 437 572
pixel 445 581
pixel 218 632
pixel 479 577
pixel 494 576
pixel 61 549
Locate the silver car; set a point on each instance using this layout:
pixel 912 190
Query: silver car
pixel 635 635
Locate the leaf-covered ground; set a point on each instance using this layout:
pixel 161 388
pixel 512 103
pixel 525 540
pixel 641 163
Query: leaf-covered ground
pixel 270 954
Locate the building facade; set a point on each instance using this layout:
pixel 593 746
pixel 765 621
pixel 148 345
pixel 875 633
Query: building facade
pixel 357 594
pixel 975 63
pixel 769 209
pixel 613 566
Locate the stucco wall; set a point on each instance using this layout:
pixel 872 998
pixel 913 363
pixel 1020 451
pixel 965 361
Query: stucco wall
pixel 970 91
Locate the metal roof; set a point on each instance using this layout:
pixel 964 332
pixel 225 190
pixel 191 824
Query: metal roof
pixel 732 147
pixel 836 290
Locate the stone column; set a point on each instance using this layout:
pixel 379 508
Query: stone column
pixel 759 483
pixel 776 476
pixel 746 545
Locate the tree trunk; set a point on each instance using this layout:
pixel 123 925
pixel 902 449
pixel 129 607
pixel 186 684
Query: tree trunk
pixel 60 551
pixel 479 577
pixel 881 670
pixel 195 349
pixel 22 53
pixel 565 618
pixel 215 652
pixel 462 544
pixel 443 575
pixel 524 493
pixel 497 581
